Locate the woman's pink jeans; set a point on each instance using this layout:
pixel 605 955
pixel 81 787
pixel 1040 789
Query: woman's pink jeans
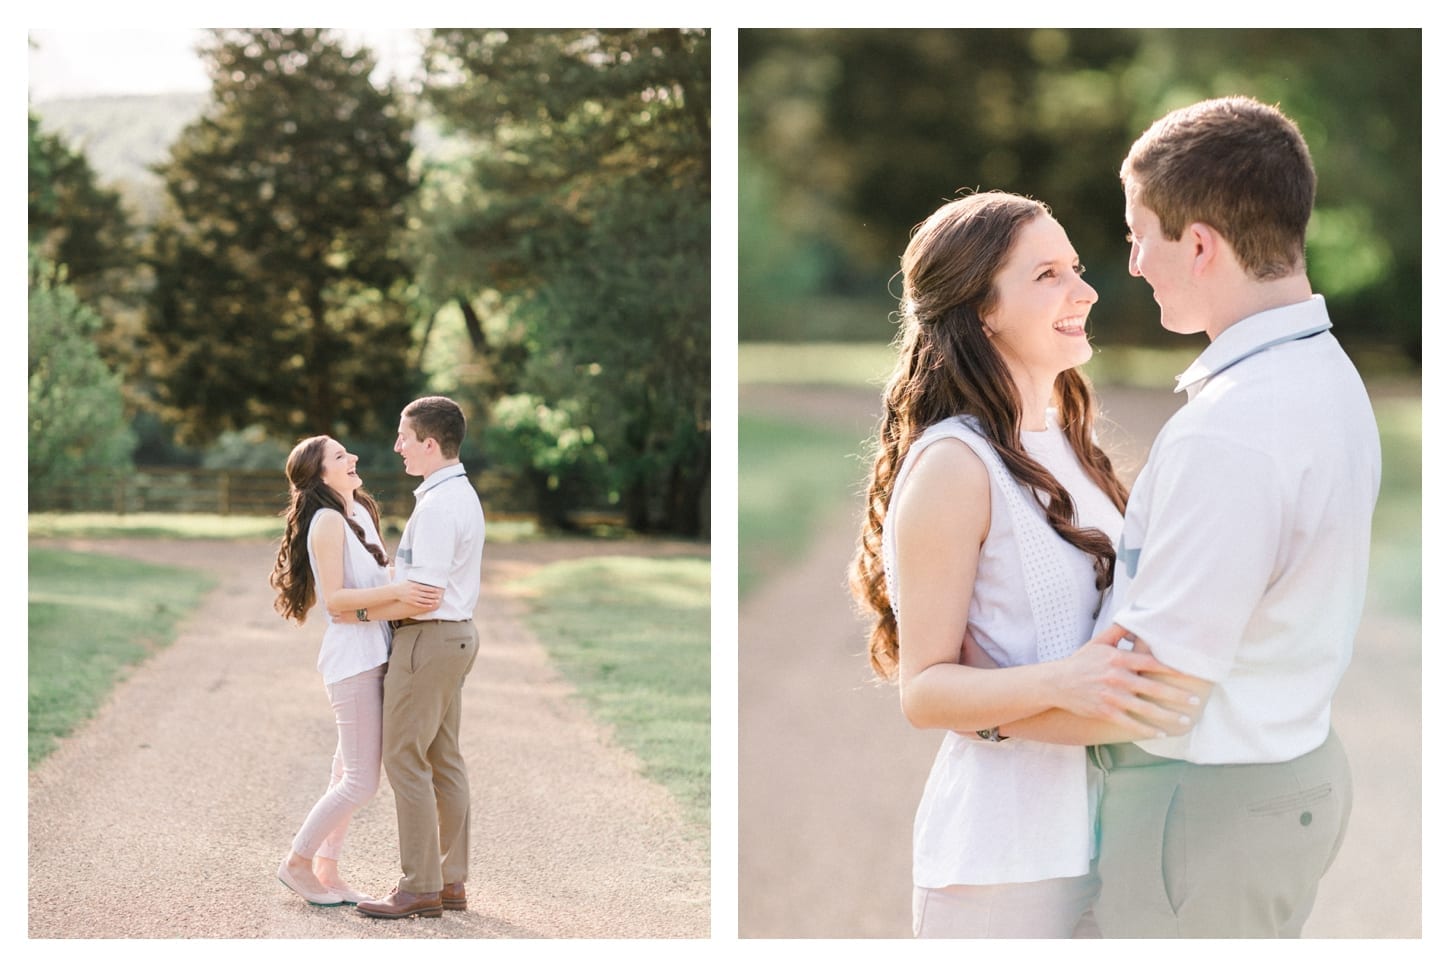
pixel 357 702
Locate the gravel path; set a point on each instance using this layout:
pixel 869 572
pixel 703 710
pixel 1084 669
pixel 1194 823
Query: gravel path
pixel 830 773
pixel 167 815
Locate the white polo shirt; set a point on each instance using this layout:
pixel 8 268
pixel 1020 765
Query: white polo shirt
pixel 1245 546
pixel 442 544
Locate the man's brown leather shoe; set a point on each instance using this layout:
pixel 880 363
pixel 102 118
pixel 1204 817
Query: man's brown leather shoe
pixel 401 904
pixel 454 897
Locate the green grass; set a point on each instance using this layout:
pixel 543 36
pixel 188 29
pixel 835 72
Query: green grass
pixel 789 474
pixel 1395 549
pixel 92 619
pixel 172 526
pixel 633 636
pixel 869 364
pixel 841 363
pixel 220 527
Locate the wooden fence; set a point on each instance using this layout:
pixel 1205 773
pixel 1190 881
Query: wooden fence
pixel 197 490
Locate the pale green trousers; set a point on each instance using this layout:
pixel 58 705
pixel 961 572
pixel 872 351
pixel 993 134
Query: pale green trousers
pixel 1219 850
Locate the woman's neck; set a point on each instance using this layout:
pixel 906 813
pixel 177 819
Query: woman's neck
pixel 1035 395
pixel 346 498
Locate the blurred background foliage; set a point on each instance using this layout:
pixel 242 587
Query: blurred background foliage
pixel 848 138
pixel 522 225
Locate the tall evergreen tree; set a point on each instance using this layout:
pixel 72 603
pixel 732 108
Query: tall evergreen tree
pixel 588 208
pixel 280 290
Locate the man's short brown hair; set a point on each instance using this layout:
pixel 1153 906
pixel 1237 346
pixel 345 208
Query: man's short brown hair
pixel 1237 165
pixel 440 418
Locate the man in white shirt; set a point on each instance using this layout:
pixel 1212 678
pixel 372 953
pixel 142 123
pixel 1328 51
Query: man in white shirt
pixel 432 653
pixel 1245 545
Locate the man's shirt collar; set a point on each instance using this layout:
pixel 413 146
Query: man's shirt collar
pixel 439 476
pixel 1254 334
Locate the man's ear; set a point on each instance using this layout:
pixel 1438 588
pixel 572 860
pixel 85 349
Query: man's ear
pixel 1208 246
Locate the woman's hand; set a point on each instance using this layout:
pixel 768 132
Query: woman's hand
pixel 424 597
pixel 1129 688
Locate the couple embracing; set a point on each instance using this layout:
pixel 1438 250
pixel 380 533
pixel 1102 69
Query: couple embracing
pixel 1135 688
pixel 398 644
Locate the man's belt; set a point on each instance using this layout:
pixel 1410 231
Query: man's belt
pixel 1124 755
pixel 404 622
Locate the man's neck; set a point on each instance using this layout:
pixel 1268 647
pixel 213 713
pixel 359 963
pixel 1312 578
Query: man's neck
pixel 1250 298
pixel 441 466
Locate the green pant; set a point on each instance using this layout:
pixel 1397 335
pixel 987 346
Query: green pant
pixel 1219 850
pixel 422 705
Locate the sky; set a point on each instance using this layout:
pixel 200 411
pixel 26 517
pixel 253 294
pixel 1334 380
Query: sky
pixel 85 63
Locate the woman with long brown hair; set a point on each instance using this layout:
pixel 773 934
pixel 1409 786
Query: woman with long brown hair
pixel 331 553
pixel 991 517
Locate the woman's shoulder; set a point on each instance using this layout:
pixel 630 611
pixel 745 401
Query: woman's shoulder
pixel 326 522
pixel 954 441
pixel 947 470
pixel 327 516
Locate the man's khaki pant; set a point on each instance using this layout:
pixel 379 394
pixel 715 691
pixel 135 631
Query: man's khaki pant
pixel 1218 851
pixel 422 705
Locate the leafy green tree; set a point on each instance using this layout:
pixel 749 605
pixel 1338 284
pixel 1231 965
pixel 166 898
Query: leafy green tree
pixel 281 293
pixel 585 202
pixel 84 230
pixel 561 460
pixel 74 221
pixel 76 419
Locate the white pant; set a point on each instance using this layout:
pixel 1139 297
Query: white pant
pixel 357 704
pixel 1060 908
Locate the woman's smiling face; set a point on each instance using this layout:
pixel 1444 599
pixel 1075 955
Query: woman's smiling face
pixel 1039 322
pixel 339 469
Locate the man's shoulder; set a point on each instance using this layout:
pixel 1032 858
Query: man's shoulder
pixel 455 503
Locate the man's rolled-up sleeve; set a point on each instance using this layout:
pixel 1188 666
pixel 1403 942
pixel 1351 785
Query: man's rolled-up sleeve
pixel 432 548
pixel 1208 552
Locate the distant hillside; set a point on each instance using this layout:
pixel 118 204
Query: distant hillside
pixel 121 136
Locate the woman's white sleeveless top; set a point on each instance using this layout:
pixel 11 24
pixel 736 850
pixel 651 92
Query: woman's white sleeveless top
pixel 351 649
pixel 1014 811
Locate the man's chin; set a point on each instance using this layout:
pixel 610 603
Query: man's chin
pixel 1180 326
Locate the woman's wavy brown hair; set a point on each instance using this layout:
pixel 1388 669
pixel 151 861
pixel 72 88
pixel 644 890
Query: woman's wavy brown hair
pixel 947 367
pixel 292 572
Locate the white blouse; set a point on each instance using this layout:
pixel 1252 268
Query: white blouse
pixel 351 649
pixel 1014 811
